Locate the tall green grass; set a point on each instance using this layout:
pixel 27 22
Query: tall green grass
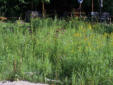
pixel 74 52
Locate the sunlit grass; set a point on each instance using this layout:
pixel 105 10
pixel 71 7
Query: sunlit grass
pixel 74 52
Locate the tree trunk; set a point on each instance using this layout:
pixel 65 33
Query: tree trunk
pixel 92 6
pixel 43 9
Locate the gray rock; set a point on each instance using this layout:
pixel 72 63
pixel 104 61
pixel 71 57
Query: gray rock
pixel 32 14
pixel 19 83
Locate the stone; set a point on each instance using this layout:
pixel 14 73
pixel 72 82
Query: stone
pixel 31 15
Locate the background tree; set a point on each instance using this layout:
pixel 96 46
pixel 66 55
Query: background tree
pixel 43 6
pixel 3 8
pixel 15 8
pixel 35 3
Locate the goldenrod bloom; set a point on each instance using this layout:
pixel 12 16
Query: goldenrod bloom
pixel 77 34
pixel 89 26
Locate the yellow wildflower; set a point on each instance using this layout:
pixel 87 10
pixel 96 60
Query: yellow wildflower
pixel 84 30
pixel 106 34
pixel 77 34
pixel 89 44
pixel 81 27
pixel 89 26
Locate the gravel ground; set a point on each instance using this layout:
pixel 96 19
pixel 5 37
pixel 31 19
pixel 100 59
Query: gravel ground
pixel 19 83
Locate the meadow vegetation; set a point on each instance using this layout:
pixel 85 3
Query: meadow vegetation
pixel 73 51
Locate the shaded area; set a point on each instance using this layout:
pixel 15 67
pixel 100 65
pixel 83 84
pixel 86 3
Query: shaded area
pixel 55 7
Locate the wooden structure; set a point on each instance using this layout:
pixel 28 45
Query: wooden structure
pixel 3 18
pixel 77 13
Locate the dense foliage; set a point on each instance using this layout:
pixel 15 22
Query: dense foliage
pixel 74 52
pixel 19 7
